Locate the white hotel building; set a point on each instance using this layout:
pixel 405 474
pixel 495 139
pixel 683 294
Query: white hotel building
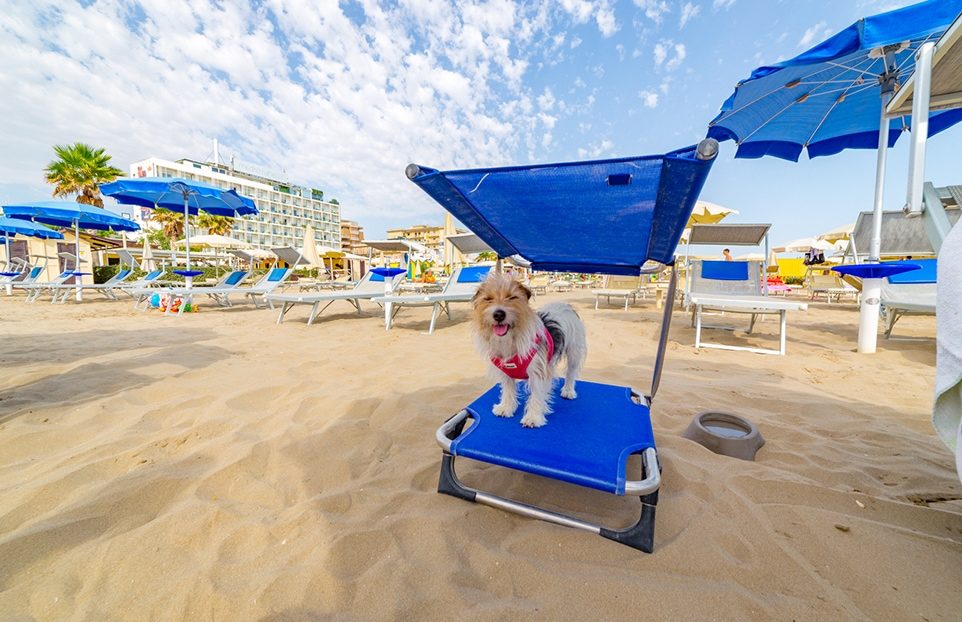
pixel 285 208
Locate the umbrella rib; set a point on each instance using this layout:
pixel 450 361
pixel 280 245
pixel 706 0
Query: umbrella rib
pixel 824 118
pixel 844 68
pixel 761 97
pixel 774 116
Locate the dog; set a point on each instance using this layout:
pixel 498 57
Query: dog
pixel 524 344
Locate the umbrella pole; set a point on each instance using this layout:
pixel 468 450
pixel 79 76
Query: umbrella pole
pixel 872 288
pixel 76 267
pixel 189 280
pixel 6 242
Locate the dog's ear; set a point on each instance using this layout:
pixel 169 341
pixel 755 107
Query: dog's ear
pixel 477 295
pixel 527 292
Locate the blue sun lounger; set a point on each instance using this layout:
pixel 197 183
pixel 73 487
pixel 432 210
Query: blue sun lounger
pixel 605 217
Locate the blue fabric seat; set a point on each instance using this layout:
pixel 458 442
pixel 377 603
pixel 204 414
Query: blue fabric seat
pixel 586 442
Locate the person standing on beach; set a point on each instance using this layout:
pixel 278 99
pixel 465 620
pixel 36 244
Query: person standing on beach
pixel 728 255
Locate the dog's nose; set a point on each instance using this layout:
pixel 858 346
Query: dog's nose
pixel 498 315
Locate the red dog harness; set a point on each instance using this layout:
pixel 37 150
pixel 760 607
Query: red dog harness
pixel 517 367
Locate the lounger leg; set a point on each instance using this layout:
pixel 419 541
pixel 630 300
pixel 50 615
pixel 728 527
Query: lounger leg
pixel 890 318
pixel 626 303
pixel 315 312
pixel 287 307
pixel 596 301
pixel 640 536
pixel 781 331
pixel 751 323
pixel 697 326
pixel 434 317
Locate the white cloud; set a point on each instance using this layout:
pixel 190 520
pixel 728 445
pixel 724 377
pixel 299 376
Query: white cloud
pixel 721 4
pixel 689 11
pixel 605 18
pixel 649 98
pixel 293 85
pixel 581 11
pixel 596 150
pixel 669 54
pixel 814 34
pixel 546 100
pixel 654 9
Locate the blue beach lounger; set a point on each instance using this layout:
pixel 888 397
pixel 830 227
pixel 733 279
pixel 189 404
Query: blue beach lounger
pixel 602 217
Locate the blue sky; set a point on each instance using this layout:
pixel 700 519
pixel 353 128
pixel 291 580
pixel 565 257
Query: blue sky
pixel 343 96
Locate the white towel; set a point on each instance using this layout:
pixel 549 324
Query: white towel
pixel 947 411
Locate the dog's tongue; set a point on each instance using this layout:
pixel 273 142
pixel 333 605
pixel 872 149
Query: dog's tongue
pixel 500 330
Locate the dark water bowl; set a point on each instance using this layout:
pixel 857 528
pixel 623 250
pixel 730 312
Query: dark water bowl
pixel 726 434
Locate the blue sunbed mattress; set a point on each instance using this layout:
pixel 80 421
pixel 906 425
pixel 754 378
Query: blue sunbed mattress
pixel 587 441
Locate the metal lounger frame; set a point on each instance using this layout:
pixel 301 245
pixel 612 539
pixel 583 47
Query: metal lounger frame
pixel 713 303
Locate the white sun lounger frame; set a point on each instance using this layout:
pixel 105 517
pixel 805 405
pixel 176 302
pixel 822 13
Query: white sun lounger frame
pixel 365 289
pixel 453 292
pixel 753 305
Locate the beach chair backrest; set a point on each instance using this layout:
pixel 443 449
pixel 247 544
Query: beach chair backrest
pixel 120 276
pixel 34 273
pixel 466 279
pixel 731 278
pixel 916 287
pixel 928 269
pixel 273 278
pixel 622 282
pixel 235 277
pixel 374 283
pixel 152 276
pixel 825 281
pixel 277 275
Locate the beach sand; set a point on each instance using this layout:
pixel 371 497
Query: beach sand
pixel 219 466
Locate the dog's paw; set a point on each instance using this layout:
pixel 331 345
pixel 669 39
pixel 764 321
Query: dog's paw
pixel 502 410
pixel 568 393
pixel 533 421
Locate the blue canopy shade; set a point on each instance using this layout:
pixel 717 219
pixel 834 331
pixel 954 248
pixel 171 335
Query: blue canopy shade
pixel 15 226
pixel 171 193
pixel 603 216
pixel 69 214
pixel 829 98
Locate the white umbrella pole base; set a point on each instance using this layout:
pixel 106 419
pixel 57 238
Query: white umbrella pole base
pixel 388 290
pixel 868 316
pixel 9 289
pixel 80 294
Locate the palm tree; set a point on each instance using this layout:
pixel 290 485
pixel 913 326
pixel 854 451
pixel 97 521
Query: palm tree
pixel 217 225
pixel 79 170
pixel 171 223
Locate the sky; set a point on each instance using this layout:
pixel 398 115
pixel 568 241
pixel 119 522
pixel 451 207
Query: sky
pixel 342 96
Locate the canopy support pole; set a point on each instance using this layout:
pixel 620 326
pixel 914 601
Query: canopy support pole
pixel 872 288
pixel 665 325
pixel 920 128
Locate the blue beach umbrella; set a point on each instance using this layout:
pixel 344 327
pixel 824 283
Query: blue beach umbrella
pixel 176 194
pixel 70 214
pixel 833 97
pixel 15 226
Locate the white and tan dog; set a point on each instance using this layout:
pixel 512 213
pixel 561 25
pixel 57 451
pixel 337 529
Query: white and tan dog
pixel 523 344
